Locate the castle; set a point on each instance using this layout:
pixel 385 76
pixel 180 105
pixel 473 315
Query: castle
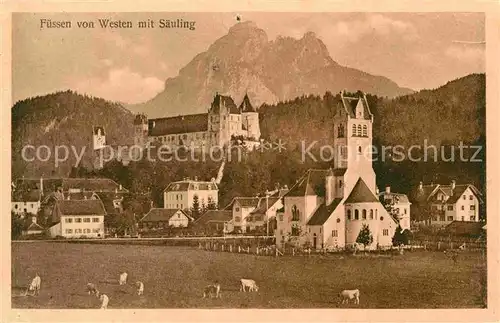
pixel 224 122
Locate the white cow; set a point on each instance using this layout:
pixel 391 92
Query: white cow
pixel 250 283
pixel 347 295
pixel 92 289
pixel 123 278
pixel 104 301
pixel 140 288
pixel 34 287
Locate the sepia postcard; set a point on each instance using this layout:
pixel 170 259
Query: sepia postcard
pixel 213 162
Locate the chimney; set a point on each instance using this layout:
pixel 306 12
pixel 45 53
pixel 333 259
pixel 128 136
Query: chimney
pixel 387 190
pixel 453 185
pixel 41 185
pixel 329 187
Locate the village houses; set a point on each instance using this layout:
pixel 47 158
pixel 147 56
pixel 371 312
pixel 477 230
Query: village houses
pixel 77 219
pixel 158 218
pixel 398 205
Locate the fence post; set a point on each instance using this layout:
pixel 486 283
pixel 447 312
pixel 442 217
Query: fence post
pixel 293 251
pixel 239 248
pixel 248 249
pixel 230 248
pixel 222 247
pixel 439 245
pixel 257 250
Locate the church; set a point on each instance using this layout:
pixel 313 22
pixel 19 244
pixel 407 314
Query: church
pixel 327 208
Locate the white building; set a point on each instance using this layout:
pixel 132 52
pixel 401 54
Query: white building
pixel 399 204
pixel 327 208
pixel 180 195
pixel 78 218
pixel 448 203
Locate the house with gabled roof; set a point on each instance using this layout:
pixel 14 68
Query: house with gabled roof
pixel 448 203
pixel 217 221
pixel 181 194
pixel 78 218
pixel 159 218
pixel 326 208
pixel 399 206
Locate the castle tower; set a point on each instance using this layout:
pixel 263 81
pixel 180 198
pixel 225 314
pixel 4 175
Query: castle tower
pixel 223 116
pixel 140 130
pixel 249 119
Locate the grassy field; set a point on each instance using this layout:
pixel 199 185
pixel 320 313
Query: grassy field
pixel 174 278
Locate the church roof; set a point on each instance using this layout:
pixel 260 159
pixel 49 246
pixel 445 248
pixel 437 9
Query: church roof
pixel 246 106
pixel 350 104
pixel 361 194
pixel 177 125
pixel 311 183
pixel 323 212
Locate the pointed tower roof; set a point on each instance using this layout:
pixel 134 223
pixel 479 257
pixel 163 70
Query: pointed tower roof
pixel 246 106
pixel 361 194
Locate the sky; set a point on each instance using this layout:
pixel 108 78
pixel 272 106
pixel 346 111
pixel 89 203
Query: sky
pixel 415 50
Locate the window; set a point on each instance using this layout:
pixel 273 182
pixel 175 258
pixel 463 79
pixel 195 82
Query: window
pixel 356 215
pixel 177 197
pixel 340 183
pixel 348 214
pixel 95 219
pixel 371 214
pixel 473 218
pixel 463 208
pixel 450 218
pixel 281 232
pixel 353 130
pixel 15 206
pixel 463 218
pixel 385 232
pixel 319 230
pixel 406 211
pixel 464 197
pixel 471 197
pixel 68 220
pixel 450 207
pixel 95 230
pixel 69 231
pixel 32 205
pixel 295 214
pixel 363 215
pixel 376 214
pixel 340 133
pixel 86 220
pixel 335 233
pixel 237 219
pixel 78 220
pixel 472 207
pixel 442 218
pixel 359 130
pixel 365 131
pixel 237 209
pixel 359 149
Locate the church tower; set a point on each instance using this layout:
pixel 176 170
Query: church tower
pixel 249 119
pixel 353 123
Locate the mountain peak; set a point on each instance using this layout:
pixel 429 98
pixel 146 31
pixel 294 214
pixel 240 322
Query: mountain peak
pixel 244 25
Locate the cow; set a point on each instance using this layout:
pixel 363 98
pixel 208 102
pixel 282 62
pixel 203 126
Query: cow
pixel 212 291
pixel 123 278
pixel 250 283
pixel 140 288
pixel 104 301
pixel 92 289
pixel 347 295
pixel 34 287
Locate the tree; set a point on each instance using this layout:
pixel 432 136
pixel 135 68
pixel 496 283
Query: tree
pixel 16 226
pixel 400 237
pixel 365 236
pixel 195 209
pixel 211 204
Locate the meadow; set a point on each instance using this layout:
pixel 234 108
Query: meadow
pixel 175 276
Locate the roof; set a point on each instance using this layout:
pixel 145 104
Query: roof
pixel 464 228
pixel 311 183
pixel 107 199
pixel 246 106
pixel 361 194
pixel 263 206
pixel 323 212
pixel 350 104
pixel 80 196
pixel 77 207
pixel 161 215
pixel 191 185
pixel 26 196
pixel 245 202
pixel 92 184
pixel 176 125
pixel 222 100
pixel 214 216
pixel 34 226
pixel 429 192
pixel 401 198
